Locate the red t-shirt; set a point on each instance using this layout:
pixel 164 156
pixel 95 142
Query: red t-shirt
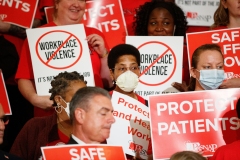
pixel 228 152
pixel 25 70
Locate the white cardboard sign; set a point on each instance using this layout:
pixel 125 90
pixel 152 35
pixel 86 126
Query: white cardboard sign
pixel 161 62
pixel 132 127
pixel 57 49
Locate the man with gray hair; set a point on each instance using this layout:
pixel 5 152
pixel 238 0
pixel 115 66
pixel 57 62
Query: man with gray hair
pixel 91 114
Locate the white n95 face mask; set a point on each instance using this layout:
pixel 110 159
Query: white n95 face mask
pixel 67 109
pixel 211 79
pixel 127 81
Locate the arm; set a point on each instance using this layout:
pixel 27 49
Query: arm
pixel 27 89
pixel 97 42
pixel 231 83
pixel 7 28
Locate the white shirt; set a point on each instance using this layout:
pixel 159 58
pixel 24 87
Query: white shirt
pixel 77 140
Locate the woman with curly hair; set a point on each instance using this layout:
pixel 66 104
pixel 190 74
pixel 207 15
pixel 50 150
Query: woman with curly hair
pixel 161 18
pixel 166 18
pixel 50 130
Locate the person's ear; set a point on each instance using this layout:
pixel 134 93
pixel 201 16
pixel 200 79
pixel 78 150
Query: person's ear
pixel 112 74
pixel 57 99
pixel 80 115
pixel 193 72
pixel 224 3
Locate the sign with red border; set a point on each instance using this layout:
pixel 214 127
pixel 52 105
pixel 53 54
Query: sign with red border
pixel 14 12
pixel 4 96
pixel 200 121
pixel 161 62
pixel 227 39
pixel 106 16
pixel 58 49
pixel 83 152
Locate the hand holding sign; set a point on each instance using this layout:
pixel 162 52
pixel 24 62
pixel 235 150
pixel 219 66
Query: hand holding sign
pixel 97 43
pixel 230 83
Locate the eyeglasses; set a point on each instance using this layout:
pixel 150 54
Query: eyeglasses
pixel 4 119
pixel 124 69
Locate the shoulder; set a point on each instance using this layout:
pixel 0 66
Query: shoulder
pixel 228 150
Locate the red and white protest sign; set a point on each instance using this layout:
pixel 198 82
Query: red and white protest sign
pixel 20 13
pixel 4 96
pixel 200 121
pixel 83 152
pixel 161 62
pixel 227 39
pixel 57 49
pixel 104 15
pixel 132 123
pixel 198 13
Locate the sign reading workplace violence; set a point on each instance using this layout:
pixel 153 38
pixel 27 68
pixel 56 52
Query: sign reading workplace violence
pixel 18 12
pixel 104 15
pixel 161 62
pixel 199 12
pixel 132 123
pixel 227 39
pixel 83 152
pixel 200 121
pixel 57 49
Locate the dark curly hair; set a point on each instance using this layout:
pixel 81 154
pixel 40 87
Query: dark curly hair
pixel 120 50
pixel 140 24
pixel 62 81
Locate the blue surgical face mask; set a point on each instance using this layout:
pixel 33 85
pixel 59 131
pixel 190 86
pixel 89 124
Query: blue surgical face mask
pixel 211 78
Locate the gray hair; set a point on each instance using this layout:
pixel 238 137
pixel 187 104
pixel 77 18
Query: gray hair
pixel 82 98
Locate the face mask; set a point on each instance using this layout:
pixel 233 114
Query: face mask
pixel 211 79
pixel 127 81
pixel 67 110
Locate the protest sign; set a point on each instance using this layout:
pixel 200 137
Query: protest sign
pixel 14 11
pixel 227 39
pixel 57 49
pixel 131 129
pixel 104 15
pixel 199 12
pixel 4 101
pixel 161 62
pixel 83 152
pixel 200 121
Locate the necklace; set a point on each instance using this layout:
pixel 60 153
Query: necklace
pixel 60 124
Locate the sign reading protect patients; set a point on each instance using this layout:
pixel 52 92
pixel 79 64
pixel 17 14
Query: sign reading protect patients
pixel 161 62
pixel 199 121
pixel 58 49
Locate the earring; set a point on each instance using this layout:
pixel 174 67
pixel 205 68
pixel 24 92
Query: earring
pixel 58 106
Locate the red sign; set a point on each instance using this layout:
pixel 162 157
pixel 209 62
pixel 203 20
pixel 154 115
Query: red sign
pixel 83 152
pixel 227 39
pixel 20 13
pixel 104 15
pixel 200 121
pixel 4 97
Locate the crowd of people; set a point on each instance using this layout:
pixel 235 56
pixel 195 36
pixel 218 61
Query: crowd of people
pixel 67 116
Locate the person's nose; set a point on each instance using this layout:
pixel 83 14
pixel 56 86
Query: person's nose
pixel 111 119
pixel 159 27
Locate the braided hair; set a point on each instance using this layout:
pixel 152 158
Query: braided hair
pixel 62 81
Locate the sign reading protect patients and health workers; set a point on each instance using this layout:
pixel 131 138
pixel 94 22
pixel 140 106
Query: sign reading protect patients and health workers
pixel 227 39
pixel 161 62
pixel 132 127
pixel 4 101
pixel 199 121
pixel 104 15
pixel 20 13
pixel 58 49
pixel 199 12
pixel 83 152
